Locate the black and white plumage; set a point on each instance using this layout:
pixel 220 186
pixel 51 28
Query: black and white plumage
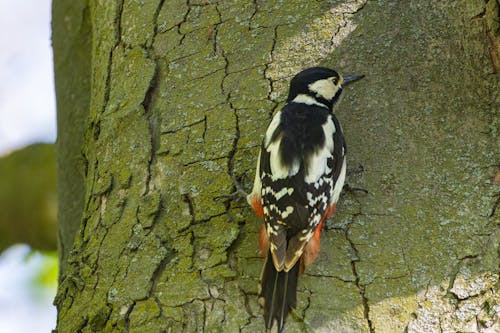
pixel 300 173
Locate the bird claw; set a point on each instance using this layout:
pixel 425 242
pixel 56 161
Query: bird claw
pixel 349 188
pixel 237 195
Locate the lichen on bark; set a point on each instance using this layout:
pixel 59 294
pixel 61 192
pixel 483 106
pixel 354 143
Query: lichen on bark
pixel 180 96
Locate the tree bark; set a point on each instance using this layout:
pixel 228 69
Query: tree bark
pixel 177 100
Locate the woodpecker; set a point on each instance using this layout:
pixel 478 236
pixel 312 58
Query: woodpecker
pixel 300 173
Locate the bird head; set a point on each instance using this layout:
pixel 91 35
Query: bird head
pixel 319 85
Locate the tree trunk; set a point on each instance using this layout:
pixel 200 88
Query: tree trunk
pixel 71 40
pixel 171 101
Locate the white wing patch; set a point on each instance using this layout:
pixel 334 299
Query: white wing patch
pixel 278 195
pixel 313 200
pixel 288 211
pixel 283 213
pixel 329 129
pixel 271 128
pixel 278 169
pixel 317 163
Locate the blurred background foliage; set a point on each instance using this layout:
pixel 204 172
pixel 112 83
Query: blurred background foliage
pixel 46 276
pixel 28 233
pixel 28 282
pixel 28 198
pixel 28 239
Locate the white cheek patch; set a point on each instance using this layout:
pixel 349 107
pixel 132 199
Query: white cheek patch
pixel 324 88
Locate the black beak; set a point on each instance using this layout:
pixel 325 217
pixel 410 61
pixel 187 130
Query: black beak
pixel 351 78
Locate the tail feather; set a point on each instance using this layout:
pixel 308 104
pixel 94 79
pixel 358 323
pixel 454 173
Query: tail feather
pixel 278 293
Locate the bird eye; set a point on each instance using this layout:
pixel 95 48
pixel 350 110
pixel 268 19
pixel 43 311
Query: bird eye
pixel 335 80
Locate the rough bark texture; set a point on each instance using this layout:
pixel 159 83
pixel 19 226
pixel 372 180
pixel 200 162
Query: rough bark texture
pixel 180 96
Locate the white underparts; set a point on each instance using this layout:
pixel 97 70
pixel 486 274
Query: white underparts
pixel 257 183
pixel 339 184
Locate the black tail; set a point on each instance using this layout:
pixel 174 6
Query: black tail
pixel 278 293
